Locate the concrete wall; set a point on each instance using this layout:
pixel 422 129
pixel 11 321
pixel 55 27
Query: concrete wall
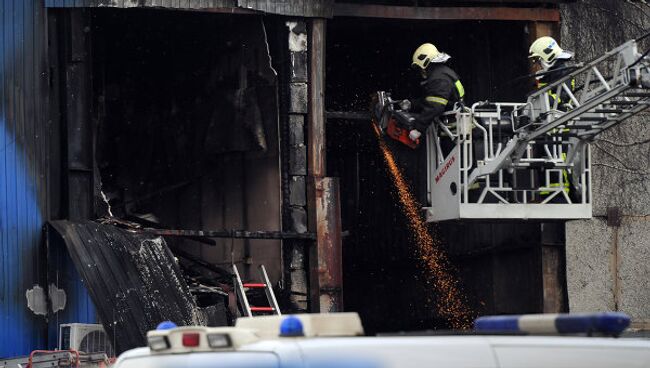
pixel 608 262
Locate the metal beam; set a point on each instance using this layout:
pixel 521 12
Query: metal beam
pixel 446 13
pixel 349 115
pixel 232 234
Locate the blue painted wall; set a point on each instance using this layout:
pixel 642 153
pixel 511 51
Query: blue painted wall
pixel 79 308
pixel 24 164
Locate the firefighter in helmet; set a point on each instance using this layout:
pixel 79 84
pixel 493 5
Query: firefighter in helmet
pixel 442 87
pixel 555 63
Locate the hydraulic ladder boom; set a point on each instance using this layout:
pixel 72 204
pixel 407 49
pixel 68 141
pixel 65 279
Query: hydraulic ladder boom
pixel 610 89
pixel 526 160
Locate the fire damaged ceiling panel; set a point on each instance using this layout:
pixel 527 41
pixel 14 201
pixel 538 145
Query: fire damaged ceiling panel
pixel 302 8
pixel 299 8
pixel 133 279
pixel 173 4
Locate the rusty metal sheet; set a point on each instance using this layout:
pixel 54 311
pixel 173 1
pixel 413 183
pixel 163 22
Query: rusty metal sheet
pixel 447 13
pixel 326 258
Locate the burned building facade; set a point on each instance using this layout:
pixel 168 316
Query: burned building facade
pixel 161 138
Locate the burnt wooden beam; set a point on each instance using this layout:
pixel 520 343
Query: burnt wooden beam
pixel 197 260
pixel 316 143
pixel 348 115
pixel 446 13
pixel 231 234
pixel 324 213
pixel 230 10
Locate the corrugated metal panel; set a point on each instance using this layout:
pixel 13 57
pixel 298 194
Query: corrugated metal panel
pixel 133 279
pixel 301 8
pixel 24 203
pixel 63 274
pixel 22 199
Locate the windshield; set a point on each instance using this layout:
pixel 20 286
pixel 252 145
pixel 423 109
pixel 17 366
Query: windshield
pixel 203 360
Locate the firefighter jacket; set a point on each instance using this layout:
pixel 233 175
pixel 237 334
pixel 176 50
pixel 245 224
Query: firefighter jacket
pixel 560 69
pixel 442 89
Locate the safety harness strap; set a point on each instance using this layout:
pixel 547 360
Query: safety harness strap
pixel 460 89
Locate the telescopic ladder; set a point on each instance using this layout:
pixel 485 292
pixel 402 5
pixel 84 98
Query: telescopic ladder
pixel 611 89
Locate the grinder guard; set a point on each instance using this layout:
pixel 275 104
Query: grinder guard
pixel 393 120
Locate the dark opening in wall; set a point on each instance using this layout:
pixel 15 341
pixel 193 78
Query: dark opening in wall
pixel 187 128
pixel 498 264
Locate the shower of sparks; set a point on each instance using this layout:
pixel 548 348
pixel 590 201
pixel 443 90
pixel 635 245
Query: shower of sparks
pixel 450 303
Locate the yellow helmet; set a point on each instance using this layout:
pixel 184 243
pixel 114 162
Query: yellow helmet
pixel 427 53
pixel 545 48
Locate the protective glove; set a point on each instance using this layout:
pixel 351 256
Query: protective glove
pixel 414 135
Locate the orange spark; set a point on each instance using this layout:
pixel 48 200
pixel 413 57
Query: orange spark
pixel 450 304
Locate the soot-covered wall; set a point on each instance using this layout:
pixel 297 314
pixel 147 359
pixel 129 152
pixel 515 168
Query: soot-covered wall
pixel 499 265
pixel 186 105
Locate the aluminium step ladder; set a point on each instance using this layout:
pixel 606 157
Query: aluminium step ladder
pixel 241 288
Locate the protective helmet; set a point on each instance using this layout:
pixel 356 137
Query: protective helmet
pixel 548 51
pixel 427 53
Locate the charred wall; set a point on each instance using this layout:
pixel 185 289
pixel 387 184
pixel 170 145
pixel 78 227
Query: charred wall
pixel 187 127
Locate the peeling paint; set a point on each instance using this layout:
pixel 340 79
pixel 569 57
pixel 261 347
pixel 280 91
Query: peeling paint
pixel 36 301
pixel 58 298
pixel 327 304
pixel 297 41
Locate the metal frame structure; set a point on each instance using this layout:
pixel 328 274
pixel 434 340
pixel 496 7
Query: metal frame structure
pixel 57 358
pixel 543 142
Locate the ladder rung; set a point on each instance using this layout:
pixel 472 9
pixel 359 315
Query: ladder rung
pixel 585 127
pixel 552 142
pixel 262 309
pixel 255 286
pixel 623 102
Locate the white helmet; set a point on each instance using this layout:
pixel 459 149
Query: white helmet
pixel 548 51
pixel 427 53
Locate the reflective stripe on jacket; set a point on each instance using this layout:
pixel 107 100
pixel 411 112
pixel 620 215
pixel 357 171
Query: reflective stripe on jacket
pixel 442 89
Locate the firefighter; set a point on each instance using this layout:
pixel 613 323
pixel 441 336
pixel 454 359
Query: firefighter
pixel 555 64
pixel 442 87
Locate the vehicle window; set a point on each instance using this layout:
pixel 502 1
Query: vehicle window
pixel 203 360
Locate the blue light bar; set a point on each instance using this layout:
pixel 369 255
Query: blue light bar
pixel 291 327
pixel 166 325
pixel 608 323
